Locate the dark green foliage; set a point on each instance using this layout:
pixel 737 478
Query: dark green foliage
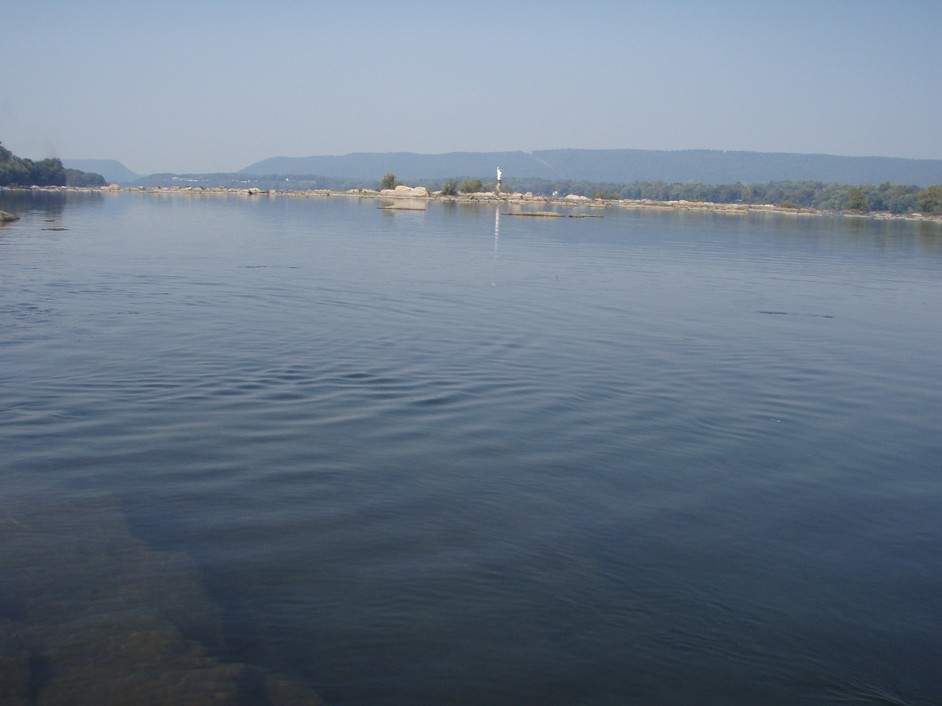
pixel 388 181
pixel 892 198
pixel 471 186
pixel 930 200
pixel 19 171
pixel 856 200
pixel 75 177
pixel 450 187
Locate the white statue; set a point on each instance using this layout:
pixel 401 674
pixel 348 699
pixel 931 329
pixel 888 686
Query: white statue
pixel 498 174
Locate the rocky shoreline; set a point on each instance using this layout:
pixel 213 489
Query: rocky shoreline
pixel 418 198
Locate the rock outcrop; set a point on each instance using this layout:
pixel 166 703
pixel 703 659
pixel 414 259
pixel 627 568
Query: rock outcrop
pixel 407 191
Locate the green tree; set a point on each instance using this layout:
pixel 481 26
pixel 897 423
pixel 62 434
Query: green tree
pixel 20 171
pixel 450 187
pixel 902 199
pixel 471 186
pixel 388 181
pixel 857 200
pixel 48 172
pixel 930 200
pixel 75 177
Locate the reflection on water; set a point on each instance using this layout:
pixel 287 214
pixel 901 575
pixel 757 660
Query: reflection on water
pixel 50 204
pixel 91 615
pixel 439 456
pixel 496 230
pixel 403 204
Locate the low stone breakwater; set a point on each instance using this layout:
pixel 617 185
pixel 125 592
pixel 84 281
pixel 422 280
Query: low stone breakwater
pixel 422 195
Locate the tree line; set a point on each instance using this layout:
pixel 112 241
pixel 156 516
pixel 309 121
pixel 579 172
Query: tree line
pixel 892 198
pixel 885 197
pixel 20 171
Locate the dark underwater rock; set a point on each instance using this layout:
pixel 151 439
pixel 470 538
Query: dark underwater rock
pixel 89 614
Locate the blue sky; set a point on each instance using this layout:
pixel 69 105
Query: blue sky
pixel 214 86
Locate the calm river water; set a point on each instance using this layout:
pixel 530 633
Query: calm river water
pixel 456 456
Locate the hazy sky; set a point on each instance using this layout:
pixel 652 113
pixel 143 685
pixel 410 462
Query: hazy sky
pixel 207 85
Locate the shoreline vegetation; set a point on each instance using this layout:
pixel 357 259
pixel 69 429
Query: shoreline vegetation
pixel 46 172
pixel 417 198
pixel 793 196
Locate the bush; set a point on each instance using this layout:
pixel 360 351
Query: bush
pixel 388 181
pixel 471 186
pixel 450 187
pixel 930 200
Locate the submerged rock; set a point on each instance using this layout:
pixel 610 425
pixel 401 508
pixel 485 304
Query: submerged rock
pixel 89 614
pixel 7 217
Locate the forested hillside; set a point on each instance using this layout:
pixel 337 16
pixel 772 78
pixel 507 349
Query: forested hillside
pixel 617 166
pixel 19 171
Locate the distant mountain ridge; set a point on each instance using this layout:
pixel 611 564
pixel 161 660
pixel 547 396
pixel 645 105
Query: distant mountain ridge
pixel 615 165
pixel 112 170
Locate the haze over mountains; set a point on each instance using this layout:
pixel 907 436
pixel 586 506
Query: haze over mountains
pixel 623 165
pixel 614 166
pixel 111 169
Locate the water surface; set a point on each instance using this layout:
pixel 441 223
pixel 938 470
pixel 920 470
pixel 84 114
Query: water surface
pixel 443 456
